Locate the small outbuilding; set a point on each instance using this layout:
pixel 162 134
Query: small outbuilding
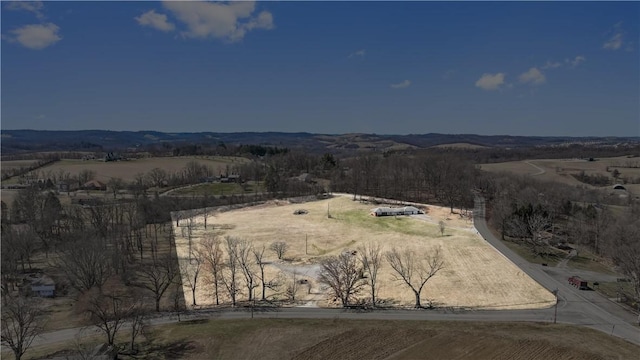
pixel 94 185
pixel 42 286
pixel 619 187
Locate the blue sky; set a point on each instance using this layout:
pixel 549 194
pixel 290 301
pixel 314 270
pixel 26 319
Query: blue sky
pixel 532 68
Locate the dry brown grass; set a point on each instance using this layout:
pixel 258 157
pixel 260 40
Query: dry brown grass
pixel 560 170
pixel 475 274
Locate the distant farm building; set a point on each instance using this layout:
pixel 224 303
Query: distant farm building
pixel 94 185
pixel 387 211
pixel 233 178
pixel 42 285
pixel 619 187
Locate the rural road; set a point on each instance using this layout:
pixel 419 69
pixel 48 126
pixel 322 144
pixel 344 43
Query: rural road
pixel 578 307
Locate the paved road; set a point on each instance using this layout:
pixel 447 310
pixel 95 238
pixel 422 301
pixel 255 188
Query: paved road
pixel 575 306
pixel 579 307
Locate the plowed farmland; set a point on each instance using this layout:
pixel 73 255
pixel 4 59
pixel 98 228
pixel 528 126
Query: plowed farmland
pixel 268 339
pixel 475 274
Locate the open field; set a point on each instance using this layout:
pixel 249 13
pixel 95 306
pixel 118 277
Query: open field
pixel 475 274
pixel 370 339
pixel 127 170
pixel 343 339
pixel 12 164
pixel 560 170
pixel 249 187
pixel 460 146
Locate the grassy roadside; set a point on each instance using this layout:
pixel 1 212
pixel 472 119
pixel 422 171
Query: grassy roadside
pixel 523 251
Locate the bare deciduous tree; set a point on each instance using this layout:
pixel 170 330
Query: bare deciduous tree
pixel 108 312
pixel 115 184
pixel 343 275
pixel 157 177
pixel 157 277
pixel 86 263
pixel 138 319
pixel 211 254
pixel 244 251
pixel 191 270
pixel 292 287
pixel 625 251
pixel 20 324
pixel 371 259
pixel 279 248
pixel 415 269
pixel 258 254
pixel 230 274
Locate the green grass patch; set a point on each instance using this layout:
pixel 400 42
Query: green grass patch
pixel 551 259
pixel 222 189
pixel 400 224
pixel 587 261
pixel 613 289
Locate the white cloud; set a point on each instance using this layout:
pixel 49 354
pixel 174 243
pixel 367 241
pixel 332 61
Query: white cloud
pixel 490 81
pixel 551 65
pixel 36 37
pixel 401 85
pixel 614 43
pixel 360 53
pixel 34 7
pixel 157 21
pixel 533 76
pixel 576 61
pixel 228 21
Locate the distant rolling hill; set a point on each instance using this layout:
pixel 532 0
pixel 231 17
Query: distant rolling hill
pixel 18 141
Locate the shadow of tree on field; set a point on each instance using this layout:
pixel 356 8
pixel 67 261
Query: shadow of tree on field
pixel 173 350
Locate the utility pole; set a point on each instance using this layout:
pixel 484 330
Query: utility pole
pixel 555 310
pixel 306 243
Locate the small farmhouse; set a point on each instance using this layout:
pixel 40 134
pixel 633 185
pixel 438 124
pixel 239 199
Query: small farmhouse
pixel 387 211
pixel 42 286
pixel 94 185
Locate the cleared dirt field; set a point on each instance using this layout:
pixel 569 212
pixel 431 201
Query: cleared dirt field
pixel 370 339
pixel 127 170
pixel 475 274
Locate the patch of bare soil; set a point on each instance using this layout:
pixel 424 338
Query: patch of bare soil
pixel 479 346
pixel 305 339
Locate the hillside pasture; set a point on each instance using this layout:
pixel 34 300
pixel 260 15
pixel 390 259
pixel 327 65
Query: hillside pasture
pixel 128 169
pixel 475 274
pixel 461 145
pixel 561 170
